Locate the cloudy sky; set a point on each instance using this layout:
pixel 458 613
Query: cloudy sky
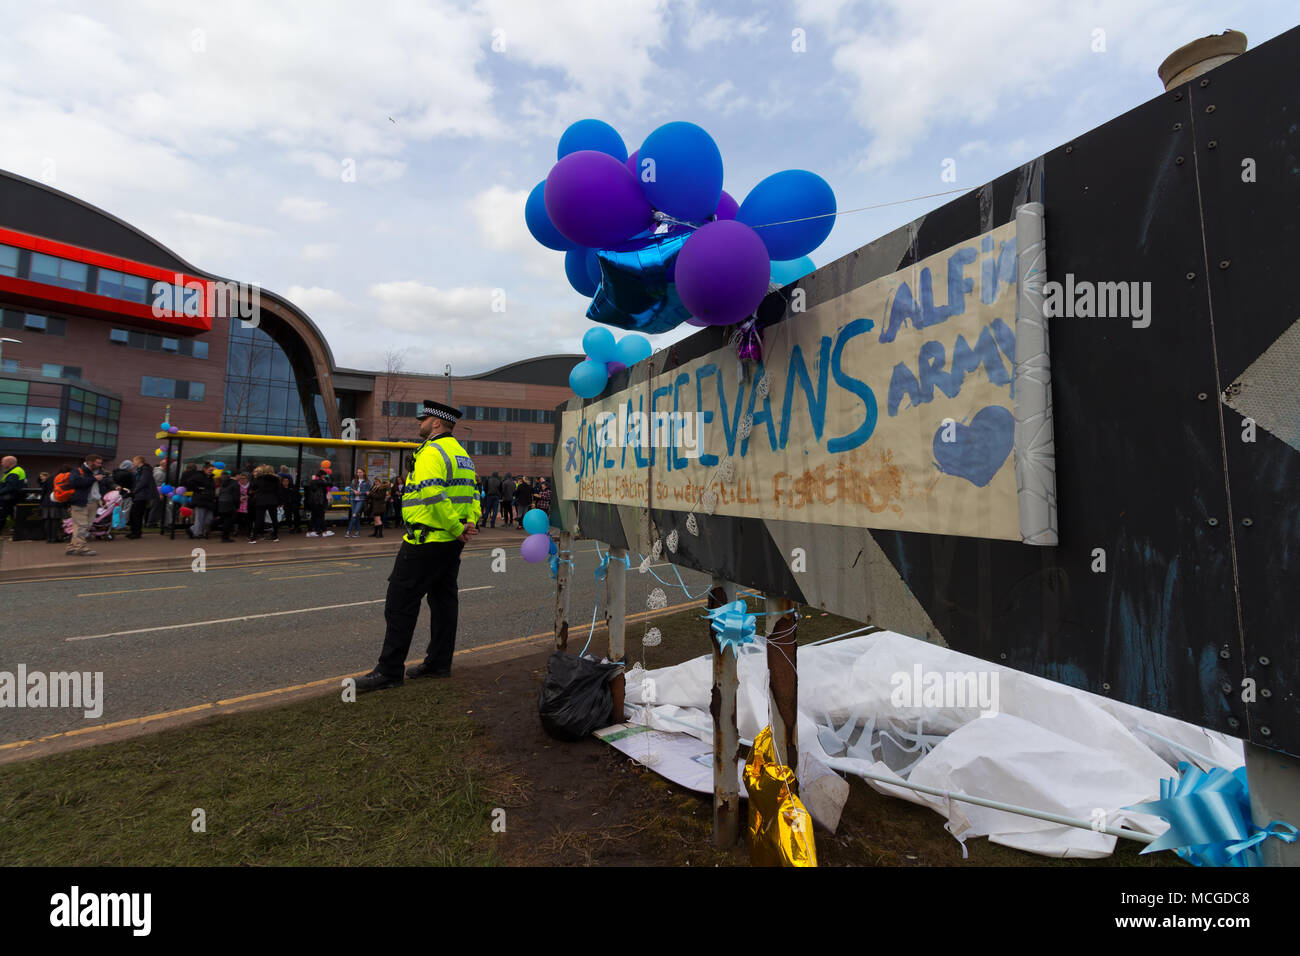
pixel 370 161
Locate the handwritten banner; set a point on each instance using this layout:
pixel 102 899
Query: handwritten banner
pixel 887 407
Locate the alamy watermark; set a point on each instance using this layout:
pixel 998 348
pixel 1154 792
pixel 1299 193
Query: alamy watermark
pixel 76 689
pixel 218 300
pixel 949 689
pixel 1101 300
pixel 679 430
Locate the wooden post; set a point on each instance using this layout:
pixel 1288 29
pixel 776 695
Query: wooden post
pixel 565 554
pixel 726 739
pixel 616 620
pixel 783 680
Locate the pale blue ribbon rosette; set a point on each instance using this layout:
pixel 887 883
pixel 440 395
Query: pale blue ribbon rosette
pixel 1209 818
pixel 732 625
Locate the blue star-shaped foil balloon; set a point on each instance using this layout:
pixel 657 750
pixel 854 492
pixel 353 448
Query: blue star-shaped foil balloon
pixel 636 285
pixel 731 625
pixel 1209 818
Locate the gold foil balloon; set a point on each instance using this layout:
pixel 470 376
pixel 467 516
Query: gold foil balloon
pixel 780 828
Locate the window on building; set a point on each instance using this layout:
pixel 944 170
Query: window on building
pixel 73 275
pixel 44 268
pixel 8 261
pixel 118 336
pixel 400 409
pixel 135 289
pixel 155 387
pixel 159 343
pixel 199 349
pixel 541 450
pixel 110 283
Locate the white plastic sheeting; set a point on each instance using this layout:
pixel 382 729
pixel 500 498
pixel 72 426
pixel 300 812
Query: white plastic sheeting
pixel 1042 744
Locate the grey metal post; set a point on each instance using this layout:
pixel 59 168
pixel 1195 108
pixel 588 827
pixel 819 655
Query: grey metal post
pixel 616 620
pixel 565 554
pixel 783 684
pixel 726 738
pixel 1274 779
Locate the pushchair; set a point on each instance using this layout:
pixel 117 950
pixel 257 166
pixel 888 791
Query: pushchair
pixel 109 517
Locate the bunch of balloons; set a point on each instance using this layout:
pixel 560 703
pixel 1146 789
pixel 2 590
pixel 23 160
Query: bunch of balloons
pixel 655 239
pixel 538 544
pixel 606 357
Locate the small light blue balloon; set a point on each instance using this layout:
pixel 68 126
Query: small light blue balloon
pixel 632 348
pixel 588 378
pixel 536 521
pixel 785 271
pixel 598 343
pixel 592 134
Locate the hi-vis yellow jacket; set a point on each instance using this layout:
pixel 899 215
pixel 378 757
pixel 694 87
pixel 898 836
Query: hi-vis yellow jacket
pixel 439 499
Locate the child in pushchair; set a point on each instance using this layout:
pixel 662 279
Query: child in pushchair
pixel 112 514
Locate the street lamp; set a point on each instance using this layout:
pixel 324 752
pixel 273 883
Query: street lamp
pixel 4 339
pixel 448 384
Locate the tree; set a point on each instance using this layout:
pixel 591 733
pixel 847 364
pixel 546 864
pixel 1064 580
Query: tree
pixel 392 391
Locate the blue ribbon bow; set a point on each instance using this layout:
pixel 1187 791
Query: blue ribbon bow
pixel 1209 818
pixel 603 568
pixel 571 445
pixel 732 625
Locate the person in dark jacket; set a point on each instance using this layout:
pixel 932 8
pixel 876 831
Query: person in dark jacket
pixel 289 498
pixel 317 495
pixel 523 499
pixel 491 498
pixel 266 501
pixel 143 494
pixel 227 504
pixel 376 501
pixel 507 499
pixel 91 483
pixel 201 484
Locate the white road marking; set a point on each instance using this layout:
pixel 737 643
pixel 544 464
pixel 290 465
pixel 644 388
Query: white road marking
pixel 246 617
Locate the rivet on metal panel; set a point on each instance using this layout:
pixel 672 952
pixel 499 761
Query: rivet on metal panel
pixel 1002 656
pixel 1191 276
pixel 1210 108
pixel 1178 126
pixel 1224 263
pixel 1234 722
pixel 1105 687
pixel 1205 82
pixel 1225 654
pixel 1264 731
pixel 1265 692
pixel 1202 396
pixel 1213 522
pixel 1226 687
pixel 1178 95
pixel 1264 661
pixel 1212 143
pixel 1247 522
pixel 1179 161
pixel 1069 149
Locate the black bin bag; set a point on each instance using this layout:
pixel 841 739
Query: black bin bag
pixel 575 698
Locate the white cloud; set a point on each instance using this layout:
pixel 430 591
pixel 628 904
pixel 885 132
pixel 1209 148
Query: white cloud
pixel 316 251
pixel 709 31
pixel 315 299
pixel 411 306
pixel 304 209
pixel 499 214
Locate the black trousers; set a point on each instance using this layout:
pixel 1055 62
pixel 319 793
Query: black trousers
pixel 424 572
pixel 139 508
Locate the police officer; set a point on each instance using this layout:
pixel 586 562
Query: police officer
pixel 440 510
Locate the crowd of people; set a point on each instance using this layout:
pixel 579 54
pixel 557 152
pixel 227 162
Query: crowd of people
pixel 253 504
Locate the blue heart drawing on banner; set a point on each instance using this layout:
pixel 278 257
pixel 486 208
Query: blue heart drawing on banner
pixel 979 449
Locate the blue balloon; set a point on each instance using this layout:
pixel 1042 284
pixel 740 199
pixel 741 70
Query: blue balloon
pixel 687 171
pixel 790 194
pixel 536 521
pixel 219 464
pixel 593 269
pixel 791 270
pixel 592 134
pixel 598 343
pixel 575 267
pixel 632 348
pixel 588 378
pixel 636 286
pixel 539 223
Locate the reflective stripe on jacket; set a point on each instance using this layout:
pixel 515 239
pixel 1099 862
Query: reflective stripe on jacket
pixel 439 499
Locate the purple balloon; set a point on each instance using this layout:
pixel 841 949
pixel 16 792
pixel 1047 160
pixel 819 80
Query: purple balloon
pixel 535 548
pixel 727 207
pixel 173 430
pixel 697 323
pixel 594 200
pixel 613 368
pixel 723 272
